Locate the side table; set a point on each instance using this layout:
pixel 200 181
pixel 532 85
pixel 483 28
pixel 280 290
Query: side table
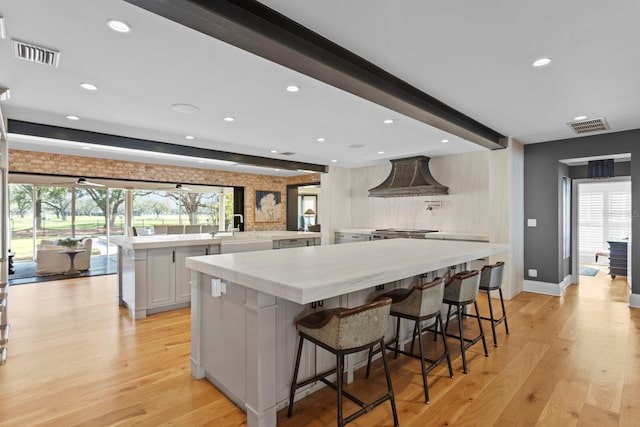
pixel 72 254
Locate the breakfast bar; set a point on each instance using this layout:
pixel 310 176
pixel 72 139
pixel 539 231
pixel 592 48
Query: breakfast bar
pixel 243 307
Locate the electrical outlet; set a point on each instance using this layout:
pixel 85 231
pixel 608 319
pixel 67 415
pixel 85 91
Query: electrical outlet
pixel 216 288
pixel 532 222
pixel 533 272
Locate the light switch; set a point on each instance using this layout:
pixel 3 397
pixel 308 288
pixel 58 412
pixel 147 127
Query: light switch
pixel 533 272
pixel 532 222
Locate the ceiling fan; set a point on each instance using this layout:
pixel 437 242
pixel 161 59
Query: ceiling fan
pixel 82 182
pixel 177 187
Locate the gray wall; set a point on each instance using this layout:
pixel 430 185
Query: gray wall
pixel 542 176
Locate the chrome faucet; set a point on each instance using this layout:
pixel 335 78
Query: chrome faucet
pixel 231 227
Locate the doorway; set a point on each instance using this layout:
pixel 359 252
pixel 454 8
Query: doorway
pixel 603 228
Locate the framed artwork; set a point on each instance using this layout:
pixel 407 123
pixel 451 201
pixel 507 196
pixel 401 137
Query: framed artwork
pixel 268 206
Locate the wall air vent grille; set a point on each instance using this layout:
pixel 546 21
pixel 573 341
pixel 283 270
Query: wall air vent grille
pixel 591 125
pixel 37 54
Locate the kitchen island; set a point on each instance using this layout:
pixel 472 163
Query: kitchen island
pixel 152 276
pixel 243 307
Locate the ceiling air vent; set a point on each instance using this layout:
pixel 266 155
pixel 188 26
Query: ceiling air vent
pixel 287 153
pixel 591 125
pixel 33 53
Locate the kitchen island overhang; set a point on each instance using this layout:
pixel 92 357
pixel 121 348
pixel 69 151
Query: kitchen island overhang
pixel 305 275
pixel 244 341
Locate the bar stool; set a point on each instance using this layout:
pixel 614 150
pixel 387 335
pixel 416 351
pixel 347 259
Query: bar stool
pixel 460 291
pixel 491 280
pixel 343 331
pixel 419 303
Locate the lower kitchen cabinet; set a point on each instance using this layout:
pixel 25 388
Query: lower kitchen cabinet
pixel 295 243
pixel 342 237
pixel 157 279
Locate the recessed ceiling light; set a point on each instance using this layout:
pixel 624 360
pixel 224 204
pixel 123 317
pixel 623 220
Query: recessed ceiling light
pixel 334 161
pixel 541 62
pixel 321 139
pixel 293 88
pixel 388 121
pixel 380 152
pixel 274 151
pixel 185 108
pixel 73 117
pixel 277 170
pixel 444 141
pixel 189 137
pixel 579 117
pixel 119 26
pixel 88 86
pixel 84 147
pixel 200 161
pixel 229 119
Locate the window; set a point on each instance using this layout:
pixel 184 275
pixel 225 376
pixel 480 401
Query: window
pixel 305 202
pixel 604 213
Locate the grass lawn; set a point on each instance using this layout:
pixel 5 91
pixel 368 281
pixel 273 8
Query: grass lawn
pixel 90 226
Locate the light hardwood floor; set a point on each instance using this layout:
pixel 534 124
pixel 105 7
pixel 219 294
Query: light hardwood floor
pixel 76 358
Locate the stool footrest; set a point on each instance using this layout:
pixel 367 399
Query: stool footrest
pixel 4 334
pixel 495 321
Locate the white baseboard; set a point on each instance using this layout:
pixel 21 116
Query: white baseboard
pixel 547 288
pixel 634 300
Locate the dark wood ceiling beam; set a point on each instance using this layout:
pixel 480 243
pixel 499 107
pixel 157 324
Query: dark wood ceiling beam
pixel 68 134
pixel 262 31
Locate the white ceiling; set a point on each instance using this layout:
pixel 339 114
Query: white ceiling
pixel 473 55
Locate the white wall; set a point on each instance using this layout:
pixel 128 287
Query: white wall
pixel 464 208
pixel 485 197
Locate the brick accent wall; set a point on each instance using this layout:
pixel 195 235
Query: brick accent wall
pixel 90 167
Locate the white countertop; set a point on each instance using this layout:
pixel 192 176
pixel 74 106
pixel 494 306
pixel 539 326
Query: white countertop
pixel 165 240
pixel 356 230
pixel 283 234
pixel 312 273
pixel 455 235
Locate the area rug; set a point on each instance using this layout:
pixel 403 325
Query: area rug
pixel 588 271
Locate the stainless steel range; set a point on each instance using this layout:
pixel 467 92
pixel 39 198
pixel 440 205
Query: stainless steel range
pixel 396 233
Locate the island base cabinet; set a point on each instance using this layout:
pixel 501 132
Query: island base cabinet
pixel 161 273
pixel 156 279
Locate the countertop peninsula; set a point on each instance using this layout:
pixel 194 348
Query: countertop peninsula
pixel 313 273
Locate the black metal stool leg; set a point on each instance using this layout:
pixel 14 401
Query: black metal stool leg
pixel 389 387
pixel 424 372
pixel 292 391
pixel 484 342
pixel 504 313
pixel 492 319
pixel 339 362
pixel 395 355
pixel 446 346
pixel 464 357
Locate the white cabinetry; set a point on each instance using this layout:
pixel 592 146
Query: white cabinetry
pixel 156 279
pixel 342 237
pixel 167 277
pixel 295 243
pixel 161 277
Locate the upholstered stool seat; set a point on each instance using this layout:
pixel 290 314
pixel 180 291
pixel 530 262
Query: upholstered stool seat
pixel 491 280
pixel 462 290
pixel 344 331
pixel 418 303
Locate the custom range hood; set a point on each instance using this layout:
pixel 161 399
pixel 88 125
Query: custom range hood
pixel 409 177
